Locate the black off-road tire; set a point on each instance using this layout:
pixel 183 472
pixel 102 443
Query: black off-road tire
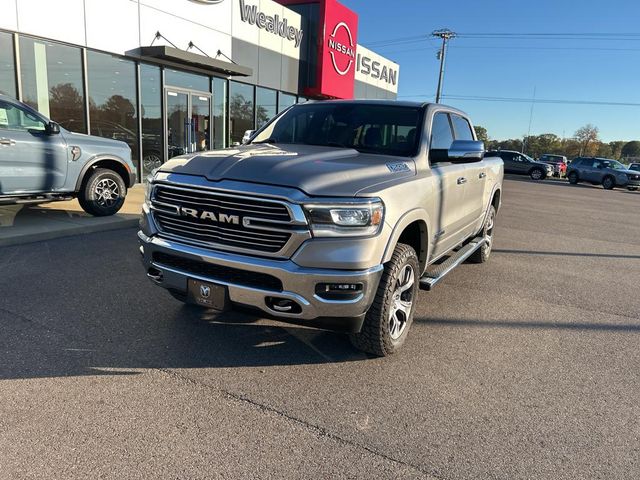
pixel 537 174
pixel 375 336
pixel 482 254
pixel 573 178
pixel 102 183
pixel 608 182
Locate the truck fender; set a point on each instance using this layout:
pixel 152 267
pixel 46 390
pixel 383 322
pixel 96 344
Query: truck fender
pixel 93 161
pixel 407 219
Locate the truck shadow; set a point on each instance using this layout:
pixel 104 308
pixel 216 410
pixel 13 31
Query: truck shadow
pixel 563 254
pixel 533 325
pixel 170 337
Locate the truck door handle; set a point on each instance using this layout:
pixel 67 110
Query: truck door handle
pixel 7 141
pixel 462 181
pixel 482 175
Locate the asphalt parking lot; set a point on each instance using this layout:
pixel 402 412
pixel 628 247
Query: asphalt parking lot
pixel 525 367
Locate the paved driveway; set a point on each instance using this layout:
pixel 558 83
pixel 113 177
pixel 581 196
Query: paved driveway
pixel 526 367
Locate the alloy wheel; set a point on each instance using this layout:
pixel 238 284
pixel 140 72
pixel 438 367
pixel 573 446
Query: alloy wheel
pixel 107 192
pixel 402 302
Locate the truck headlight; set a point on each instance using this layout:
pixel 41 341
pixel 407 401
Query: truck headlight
pixel 148 187
pixel 352 219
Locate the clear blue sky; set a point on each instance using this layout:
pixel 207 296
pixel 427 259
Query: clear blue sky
pixel 583 70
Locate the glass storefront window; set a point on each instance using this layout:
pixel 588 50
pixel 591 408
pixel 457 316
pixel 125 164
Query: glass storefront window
pixel 7 65
pixel 190 81
pixel 266 107
pixel 219 88
pixel 112 98
pixel 285 100
pixel 240 110
pixel 151 112
pixel 51 76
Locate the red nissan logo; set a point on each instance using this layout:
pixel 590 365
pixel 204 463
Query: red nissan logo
pixel 342 49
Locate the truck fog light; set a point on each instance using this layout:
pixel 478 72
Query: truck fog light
pixel 339 291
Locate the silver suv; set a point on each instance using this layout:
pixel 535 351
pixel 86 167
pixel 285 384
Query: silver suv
pixel 602 171
pixel 42 162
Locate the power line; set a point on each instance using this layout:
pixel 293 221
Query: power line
pixel 526 100
pixel 515 35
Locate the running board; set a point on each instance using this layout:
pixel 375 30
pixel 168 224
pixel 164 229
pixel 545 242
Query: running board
pixel 435 273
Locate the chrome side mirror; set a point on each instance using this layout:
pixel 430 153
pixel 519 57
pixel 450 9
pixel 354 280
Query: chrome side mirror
pixel 247 136
pixel 466 150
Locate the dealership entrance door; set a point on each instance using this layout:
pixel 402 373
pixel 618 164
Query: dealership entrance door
pixel 188 121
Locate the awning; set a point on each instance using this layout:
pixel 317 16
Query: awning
pixel 175 56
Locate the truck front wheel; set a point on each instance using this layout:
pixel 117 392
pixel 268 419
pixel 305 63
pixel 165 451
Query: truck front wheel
pixel 387 322
pixel 103 193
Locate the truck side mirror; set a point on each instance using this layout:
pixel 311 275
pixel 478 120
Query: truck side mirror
pixel 52 128
pixel 247 136
pixel 461 151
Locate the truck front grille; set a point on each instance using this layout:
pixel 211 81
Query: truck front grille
pixel 219 219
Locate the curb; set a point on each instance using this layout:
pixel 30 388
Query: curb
pixel 22 239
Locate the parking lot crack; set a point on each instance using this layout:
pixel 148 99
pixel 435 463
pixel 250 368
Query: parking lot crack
pixel 315 429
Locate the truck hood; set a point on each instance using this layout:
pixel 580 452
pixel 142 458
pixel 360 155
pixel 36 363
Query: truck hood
pixel 317 171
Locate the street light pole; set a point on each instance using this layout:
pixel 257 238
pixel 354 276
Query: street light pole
pixel 445 35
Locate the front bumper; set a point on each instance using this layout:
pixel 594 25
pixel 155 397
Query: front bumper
pixel 298 283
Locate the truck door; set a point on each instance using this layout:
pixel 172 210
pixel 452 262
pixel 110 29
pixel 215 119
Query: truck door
pixel 450 183
pixel 474 174
pixel 31 159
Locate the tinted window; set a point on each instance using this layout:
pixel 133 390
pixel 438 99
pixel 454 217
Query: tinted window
pixel 240 109
pixel 151 111
pixel 190 81
pixel 7 67
pixel 462 128
pixel 16 118
pixel 285 101
pixel 219 112
pixel 265 105
pixel 378 129
pixel 56 69
pixel 441 134
pixel 112 98
pixel 635 166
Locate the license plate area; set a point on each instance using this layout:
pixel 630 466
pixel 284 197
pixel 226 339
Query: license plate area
pixel 209 295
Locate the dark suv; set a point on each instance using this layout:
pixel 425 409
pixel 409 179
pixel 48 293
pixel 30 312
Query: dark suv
pixel 602 171
pixel 521 164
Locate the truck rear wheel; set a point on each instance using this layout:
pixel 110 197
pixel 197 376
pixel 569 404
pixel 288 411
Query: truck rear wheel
pixel 103 193
pixel 387 322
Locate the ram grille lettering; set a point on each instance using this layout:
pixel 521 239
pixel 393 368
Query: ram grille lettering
pixel 211 216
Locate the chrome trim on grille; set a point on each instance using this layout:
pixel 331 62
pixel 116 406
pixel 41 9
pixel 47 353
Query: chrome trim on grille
pixel 272 228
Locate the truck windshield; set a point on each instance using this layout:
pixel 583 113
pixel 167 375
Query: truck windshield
pixel 377 129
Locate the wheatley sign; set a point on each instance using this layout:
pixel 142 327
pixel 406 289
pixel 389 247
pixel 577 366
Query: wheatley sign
pixel 271 23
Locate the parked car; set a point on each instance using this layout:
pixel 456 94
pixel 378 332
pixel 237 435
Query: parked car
pixel 521 164
pixel 558 162
pixel 635 167
pixel 333 215
pixel 42 162
pixel 602 171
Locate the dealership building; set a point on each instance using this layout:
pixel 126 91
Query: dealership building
pixel 176 76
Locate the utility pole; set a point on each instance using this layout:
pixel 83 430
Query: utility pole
pixel 445 34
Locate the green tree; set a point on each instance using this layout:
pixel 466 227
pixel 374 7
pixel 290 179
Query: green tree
pixel 588 138
pixel 616 149
pixel 481 133
pixel 631 149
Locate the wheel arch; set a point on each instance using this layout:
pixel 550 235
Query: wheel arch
pixel 412 229
pixel 110 162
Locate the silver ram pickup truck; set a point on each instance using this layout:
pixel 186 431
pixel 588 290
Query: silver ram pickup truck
pixel 333 215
